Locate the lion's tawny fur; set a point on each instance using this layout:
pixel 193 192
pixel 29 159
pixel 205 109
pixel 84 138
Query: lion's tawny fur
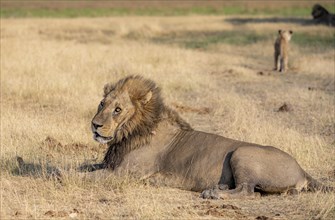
pixel 139 129
pixel 148 139
pixel 281 47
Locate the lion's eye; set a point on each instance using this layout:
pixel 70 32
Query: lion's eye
pixel 101 104
pixel 117 110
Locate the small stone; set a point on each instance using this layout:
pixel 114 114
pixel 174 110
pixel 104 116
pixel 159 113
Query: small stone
pixel 73 215
pixel 285 108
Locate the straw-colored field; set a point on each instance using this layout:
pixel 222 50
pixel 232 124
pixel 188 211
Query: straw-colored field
pixel 217 71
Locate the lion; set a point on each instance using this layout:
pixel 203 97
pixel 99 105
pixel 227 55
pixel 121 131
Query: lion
pixel 281 50
pixel 322 16
pixel 149 140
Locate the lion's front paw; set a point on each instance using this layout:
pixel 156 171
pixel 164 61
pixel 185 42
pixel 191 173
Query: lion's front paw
pixel 90 167
pixel 85 168
pixel 210 194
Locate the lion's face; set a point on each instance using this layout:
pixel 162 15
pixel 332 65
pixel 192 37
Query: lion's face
pixel 131 107
pixel 285 34
pixel 113 112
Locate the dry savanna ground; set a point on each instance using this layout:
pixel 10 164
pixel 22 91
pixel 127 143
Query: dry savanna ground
pixel 215 70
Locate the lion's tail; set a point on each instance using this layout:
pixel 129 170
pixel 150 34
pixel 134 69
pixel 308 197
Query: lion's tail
pixel 314 185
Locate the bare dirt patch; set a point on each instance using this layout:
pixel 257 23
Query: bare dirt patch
pixel 219 211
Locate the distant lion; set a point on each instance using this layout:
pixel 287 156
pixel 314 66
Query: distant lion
pixel 322 16
pixel 149 140
pixel 281 47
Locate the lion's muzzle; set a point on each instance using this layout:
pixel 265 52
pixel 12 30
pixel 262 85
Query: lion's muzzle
pixel 101 139
pixel 98 137
pixel 95 126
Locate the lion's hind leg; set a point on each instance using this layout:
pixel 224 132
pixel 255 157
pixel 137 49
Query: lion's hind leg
pixel 276 61
pixel 241 191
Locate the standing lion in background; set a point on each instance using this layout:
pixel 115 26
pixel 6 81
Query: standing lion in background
pixel 281 50
pixel 149 140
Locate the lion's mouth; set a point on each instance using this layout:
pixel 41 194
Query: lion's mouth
pixel 101 139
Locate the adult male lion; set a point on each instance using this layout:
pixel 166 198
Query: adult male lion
pixel 149 140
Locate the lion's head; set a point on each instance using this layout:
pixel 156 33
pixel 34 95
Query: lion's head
pixel 131 106
pixel 285 34
pixel 318 11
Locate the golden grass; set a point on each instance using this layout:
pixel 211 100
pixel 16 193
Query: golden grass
pixel 52 75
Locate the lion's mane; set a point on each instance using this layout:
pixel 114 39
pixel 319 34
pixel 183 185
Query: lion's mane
pixel 138 130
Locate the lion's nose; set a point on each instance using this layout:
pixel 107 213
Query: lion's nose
pixel 96 126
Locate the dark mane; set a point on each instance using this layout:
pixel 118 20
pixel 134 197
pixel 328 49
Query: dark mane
pixel 319 11
pixel 322 16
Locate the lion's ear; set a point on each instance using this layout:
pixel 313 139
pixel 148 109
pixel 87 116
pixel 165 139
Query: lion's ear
pixel 279 31
pixel 108 88
pixel 146 98
pixel 291 32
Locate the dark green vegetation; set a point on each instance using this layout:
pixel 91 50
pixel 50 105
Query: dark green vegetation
pixel 155 11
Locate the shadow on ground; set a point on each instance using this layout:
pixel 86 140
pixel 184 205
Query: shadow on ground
pixel 204 39
pixel 301 21
pixel 35 170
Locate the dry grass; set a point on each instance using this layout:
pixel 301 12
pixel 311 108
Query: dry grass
pixel 52 75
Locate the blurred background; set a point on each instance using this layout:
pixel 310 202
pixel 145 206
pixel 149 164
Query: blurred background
pixel 74 8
